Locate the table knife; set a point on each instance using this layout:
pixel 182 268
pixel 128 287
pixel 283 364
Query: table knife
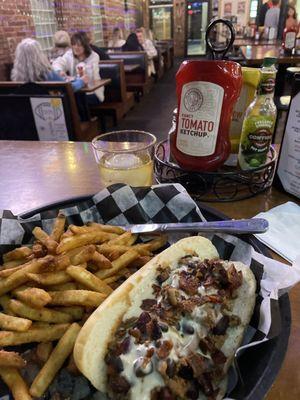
pixel 254 225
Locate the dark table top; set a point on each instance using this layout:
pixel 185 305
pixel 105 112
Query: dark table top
pixel 33 174
pixel 96 85
pixel 255 54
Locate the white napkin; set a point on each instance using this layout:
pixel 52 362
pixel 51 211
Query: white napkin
pixel 283 235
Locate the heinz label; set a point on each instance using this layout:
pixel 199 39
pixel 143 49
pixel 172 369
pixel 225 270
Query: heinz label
pixel 199 118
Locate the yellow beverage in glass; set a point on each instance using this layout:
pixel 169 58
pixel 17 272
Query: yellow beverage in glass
pixel 125 157
pixel 131 169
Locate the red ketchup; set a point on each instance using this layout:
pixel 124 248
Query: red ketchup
pixel 206 92
pixel 289 38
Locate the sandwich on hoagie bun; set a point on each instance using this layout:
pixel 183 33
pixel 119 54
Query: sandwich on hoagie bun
pixel 171 330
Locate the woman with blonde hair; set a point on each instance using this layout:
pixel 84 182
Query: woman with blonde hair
pixel 62 43
pixel 32 65
pixel 117 39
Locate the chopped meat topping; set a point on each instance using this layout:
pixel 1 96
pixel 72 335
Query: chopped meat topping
pixel 164 348
pixel 188 284
pixel 163 275
pixel 148 304
pixel 165 336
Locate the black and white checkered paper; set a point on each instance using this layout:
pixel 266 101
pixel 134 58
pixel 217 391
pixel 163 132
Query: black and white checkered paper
pixel 120 205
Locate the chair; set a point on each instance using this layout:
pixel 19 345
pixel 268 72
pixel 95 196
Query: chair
pixel 32 101
pixel 117 100
pixel 138 80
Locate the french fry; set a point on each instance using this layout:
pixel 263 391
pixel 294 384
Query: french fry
pixel 4 303
pixel 84 255
pixel 154 244
pixel 5 273
pixel 123 261
pixel 43 351
pixel 140 261
pixel 19 277
pixel 11 359
pixel 39 250
pixel 58 356
pixel 39 325
pixel 119 275
pixel 62 262
pixel 72 242
pixel 34 297
pixel 16 383
pixel 64 286
pixel 17 254
pixel 11 323
pixel 100 261
pixel 76 312
pixel 107 228
pixel 77 298
pixel 95 226
pixel 89 280
pixel 47 334
pixel 58 227
pixel 50 278
pixel 42 314
pixel 127 238
pixel 45 239
pixel 14 263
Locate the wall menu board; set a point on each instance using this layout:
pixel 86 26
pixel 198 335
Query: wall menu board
pixel 287 175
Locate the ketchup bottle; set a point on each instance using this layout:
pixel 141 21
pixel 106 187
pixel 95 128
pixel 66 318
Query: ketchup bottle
pixel 206 92
pixel 289 39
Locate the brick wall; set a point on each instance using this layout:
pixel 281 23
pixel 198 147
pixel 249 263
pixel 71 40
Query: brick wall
pixel 15 24
pixel 16 21
pixel 115 14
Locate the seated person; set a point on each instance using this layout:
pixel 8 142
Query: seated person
pixel 117 39
pixel 62 43
pixel 132 43
pixel 149 48
pixel 81 53
pixel 32 65
pixel 99 50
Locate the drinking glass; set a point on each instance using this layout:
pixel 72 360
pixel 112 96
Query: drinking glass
pixel 125 157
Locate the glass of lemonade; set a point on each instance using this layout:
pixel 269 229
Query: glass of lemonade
pixel 125 157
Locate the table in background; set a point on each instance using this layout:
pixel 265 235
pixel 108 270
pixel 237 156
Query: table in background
pixel 33 174
pixel 254 55
pixel 253 42
pixel 96 85
pixel 130 67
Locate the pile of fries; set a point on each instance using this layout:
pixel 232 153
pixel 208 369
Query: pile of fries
pixel 49 289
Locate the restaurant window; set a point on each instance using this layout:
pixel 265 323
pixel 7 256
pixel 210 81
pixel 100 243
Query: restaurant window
pixel 43 14
pixel 253 8
pixel 97 22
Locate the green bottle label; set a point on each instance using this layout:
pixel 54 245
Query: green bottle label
pixel 256 137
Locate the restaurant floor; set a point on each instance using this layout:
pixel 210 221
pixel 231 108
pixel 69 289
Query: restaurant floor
pixel 154 111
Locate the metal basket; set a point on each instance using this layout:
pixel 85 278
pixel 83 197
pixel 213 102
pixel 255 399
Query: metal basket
pixel 226 184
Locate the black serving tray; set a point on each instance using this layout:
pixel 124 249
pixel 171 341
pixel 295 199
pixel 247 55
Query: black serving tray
pixel 259 365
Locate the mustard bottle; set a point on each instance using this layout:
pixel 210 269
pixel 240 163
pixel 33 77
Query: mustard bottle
pixel 251 78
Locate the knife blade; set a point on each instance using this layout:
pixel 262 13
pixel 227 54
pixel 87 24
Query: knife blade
pixel 254 225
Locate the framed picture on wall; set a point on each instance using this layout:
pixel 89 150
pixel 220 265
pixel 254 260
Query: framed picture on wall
pixel 227 8
pixel 241 7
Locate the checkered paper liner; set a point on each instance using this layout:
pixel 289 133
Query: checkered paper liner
pixel 121 204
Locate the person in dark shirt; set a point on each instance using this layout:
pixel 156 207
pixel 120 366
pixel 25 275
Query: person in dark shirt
pixel 262 12
pixel 132 44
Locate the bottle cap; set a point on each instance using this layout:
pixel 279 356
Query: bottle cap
pixel 269 61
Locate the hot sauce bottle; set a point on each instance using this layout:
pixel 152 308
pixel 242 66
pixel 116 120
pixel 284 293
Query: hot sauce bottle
pixel 289 39
pixel 206 92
